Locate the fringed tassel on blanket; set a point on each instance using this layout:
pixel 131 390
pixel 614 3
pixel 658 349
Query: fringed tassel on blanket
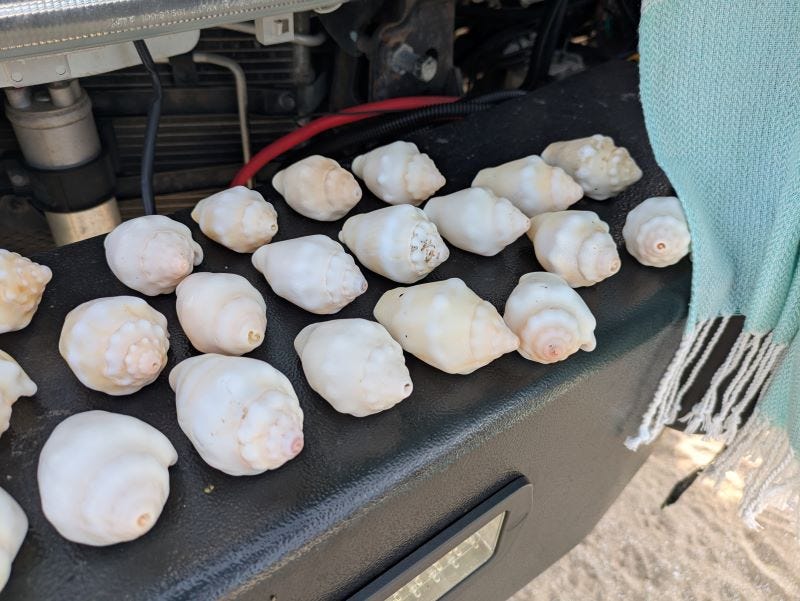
pixel 774 480
pixel 735 385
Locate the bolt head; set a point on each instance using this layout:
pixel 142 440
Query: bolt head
pixel 427 69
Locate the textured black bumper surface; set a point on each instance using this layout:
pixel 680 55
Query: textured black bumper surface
pixel 366 492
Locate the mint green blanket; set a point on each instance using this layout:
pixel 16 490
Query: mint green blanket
pixel 720 86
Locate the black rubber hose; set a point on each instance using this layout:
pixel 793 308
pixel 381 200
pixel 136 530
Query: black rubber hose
pixel 545 44
pixel 151 132
pixel 416 118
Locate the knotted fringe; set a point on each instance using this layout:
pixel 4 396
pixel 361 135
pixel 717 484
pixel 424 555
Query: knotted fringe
pixel 775 480
pixel 739 381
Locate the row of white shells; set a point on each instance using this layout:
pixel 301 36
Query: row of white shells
pixel 241 414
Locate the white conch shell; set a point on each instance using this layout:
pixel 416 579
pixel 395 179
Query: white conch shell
pixel 22 284
pixel 152 253
pixel 398 173
pixel 445 324
pixel 477 221
pixel 576 245
pixel 242 415
pixel 318 187
pixel 374 376
pixel 238 218
pixel 221 313
pixel 13 528
pixel 531 185
pixel 398 242
pixel 597 164
pixel 116 345
pixel 14 383
pixel 550 318
pixel 656 232
pixel 104 478
pixel 313 272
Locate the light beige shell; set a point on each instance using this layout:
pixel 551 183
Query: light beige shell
pixel 531 185
pixel 477 221
pixel 575 245
pixel 372 379
pixel 242 415
pixel 398 173
pixel 238 218
pixel 14 383
pixel 601 167
pixel 313 272
pixel 22 284
pixel 318 188
pixel 446 325
pixel 116 345
pixel 550 318
pixel 221 313
pixel 152 253
pixel 398 242
pixel 656 232
pixel 103 477
pixel 13 528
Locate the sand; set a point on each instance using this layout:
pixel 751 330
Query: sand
pixel 694 550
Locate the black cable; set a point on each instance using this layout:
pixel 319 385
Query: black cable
pixel 151 132
pixel 414 119
pixel 545 44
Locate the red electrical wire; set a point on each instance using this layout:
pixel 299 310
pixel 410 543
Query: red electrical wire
pixel 348 115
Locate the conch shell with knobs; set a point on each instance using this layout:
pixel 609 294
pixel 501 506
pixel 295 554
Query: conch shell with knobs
pixel 104 478
pixel 116 345
pixel 242 415
pixel 372 378
pixel 313 272
pixel 152 254
pixel 656 232
pixel 13 528
pixel 477 221
pixel 238 218
pixel 398 242
pixel 575 245
pixel 398 173
pixel 550 318
pixel 318 187
pixel 22 284
pixel 601 167
pixel 446 325
pixel 532 185
pixel 14 383
pixel 221 313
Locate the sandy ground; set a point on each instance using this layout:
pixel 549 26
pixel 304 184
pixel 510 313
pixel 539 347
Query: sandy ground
pixel 694 550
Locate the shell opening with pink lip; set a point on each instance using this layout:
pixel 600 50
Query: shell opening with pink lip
pixel 550 318
pixel 152 254
pixel 22 284
pixel 103 477
pixel 242 415
pixel 116 345
pixel 575 245
pixel 656 232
